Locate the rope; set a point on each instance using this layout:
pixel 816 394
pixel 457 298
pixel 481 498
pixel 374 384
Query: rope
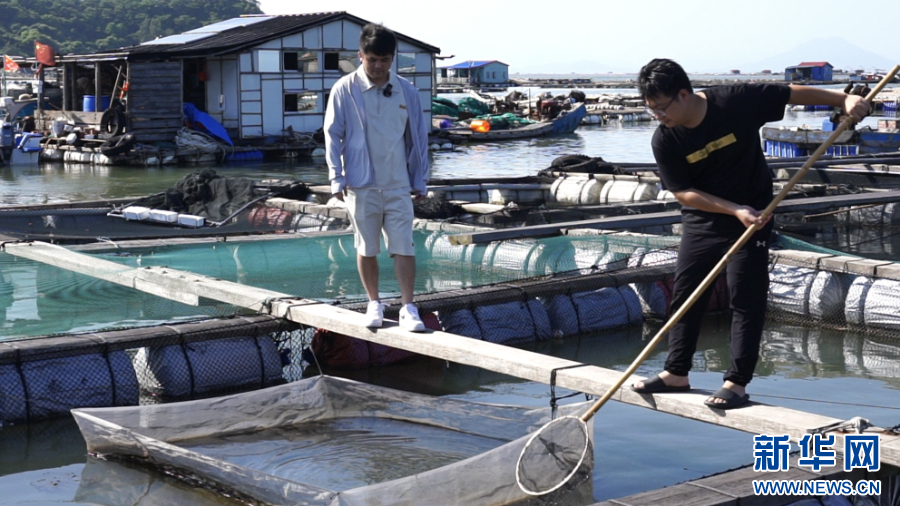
pixel 192 139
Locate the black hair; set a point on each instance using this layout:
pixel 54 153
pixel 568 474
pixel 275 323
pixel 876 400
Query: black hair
pixel 378 40
pixel 662 78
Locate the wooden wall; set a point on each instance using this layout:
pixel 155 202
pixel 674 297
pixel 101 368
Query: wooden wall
pixel 154 100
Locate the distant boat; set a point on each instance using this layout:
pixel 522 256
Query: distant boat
pixel 567 122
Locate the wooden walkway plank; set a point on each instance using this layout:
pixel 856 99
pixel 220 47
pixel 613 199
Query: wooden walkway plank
pixel 667 218
pixel 756 418
pixel 735 488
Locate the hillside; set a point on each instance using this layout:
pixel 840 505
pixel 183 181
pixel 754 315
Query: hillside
pixel 86 26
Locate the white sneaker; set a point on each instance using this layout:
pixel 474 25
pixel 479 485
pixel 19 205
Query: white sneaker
pixel 374 314
pixel 410 320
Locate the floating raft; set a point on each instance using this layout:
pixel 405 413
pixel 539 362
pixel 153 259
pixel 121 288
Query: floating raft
pixel 756 418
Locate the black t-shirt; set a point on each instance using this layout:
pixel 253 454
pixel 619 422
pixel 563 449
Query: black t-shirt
pixel 723 155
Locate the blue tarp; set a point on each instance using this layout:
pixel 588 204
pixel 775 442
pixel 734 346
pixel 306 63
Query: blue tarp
pixel 209 124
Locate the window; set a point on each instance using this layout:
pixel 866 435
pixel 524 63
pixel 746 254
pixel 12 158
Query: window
pixel 268 61
pixel 344 61
pixel 301 101
pixel 301 61
pixel 406 63
pixel 290 60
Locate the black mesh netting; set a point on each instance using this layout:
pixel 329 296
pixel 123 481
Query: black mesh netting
pixel 46 377
pixel 205 193
pixel 553 455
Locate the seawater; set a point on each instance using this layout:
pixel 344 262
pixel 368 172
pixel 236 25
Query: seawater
pixel 833 373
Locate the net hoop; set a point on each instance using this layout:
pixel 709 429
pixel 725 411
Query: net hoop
pixel 565 480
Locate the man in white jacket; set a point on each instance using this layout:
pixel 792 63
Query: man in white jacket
pixel 376 142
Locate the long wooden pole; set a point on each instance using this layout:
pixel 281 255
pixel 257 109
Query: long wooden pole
pixel 711 277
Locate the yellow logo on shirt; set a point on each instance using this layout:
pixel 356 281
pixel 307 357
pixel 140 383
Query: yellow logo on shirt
pixel 701 154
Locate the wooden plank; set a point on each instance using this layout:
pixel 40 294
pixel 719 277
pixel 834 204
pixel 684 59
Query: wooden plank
pixel 735 488
pixel 98 268
pixel 756 418
pixel 667 218
pixel 682 494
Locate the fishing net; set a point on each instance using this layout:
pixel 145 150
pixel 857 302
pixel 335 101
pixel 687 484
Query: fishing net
pixel 473 106
pixel 553 455
pixel 269 445
pixel 205 193
pixel 444 107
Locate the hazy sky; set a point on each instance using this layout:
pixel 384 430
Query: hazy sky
pixel 706 35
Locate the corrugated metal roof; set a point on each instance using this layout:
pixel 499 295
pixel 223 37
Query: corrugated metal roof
pixel 232 35
pixel 473 64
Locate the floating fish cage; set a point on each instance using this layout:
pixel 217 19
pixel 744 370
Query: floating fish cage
pixel 526 291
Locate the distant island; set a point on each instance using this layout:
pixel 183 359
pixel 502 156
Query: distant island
pixel 88 26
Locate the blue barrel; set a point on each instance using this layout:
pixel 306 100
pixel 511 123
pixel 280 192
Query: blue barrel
pixel 90 103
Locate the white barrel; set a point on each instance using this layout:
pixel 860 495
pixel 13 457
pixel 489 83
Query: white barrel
pixel 855 305
pixel 827 296
pixel 575 191
pixel 615 192
pixel 440 248
pixel 882 308
pixel 529 257
pixel 521 197
pixel 666 196
pixel 789 288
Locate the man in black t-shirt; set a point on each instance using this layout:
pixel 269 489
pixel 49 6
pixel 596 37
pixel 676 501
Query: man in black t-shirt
pixel 710 157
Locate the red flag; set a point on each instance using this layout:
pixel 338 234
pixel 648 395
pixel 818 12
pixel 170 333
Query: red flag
pixel 9 65
pixel 44 54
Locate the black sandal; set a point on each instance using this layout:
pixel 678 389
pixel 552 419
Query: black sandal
pixel 731 398
pixel 656 385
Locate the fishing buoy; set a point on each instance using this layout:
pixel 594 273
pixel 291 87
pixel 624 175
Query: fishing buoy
pixel 481 126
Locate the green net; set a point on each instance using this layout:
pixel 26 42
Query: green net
pixel 473 106
pixel 788 242
pixel 508 120
pixel 37 298
pixel 444 107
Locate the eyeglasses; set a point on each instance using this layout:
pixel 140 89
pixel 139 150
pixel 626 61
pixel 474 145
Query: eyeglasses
pixel 387 91
pixel 660 112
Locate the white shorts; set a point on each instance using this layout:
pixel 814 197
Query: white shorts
pixel 374 212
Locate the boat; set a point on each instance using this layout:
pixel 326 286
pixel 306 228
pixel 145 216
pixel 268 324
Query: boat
pixel 567 122
pixel 18 146
pixel 207 438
